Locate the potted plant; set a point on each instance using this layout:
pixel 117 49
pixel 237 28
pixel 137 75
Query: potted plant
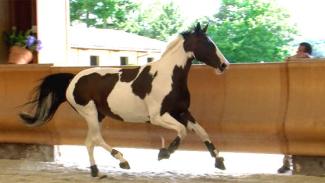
pixel 22 46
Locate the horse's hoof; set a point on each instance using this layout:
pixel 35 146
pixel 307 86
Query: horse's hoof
pixel 283 169
pixel 163 154
pixel 219 163
pixel 94 171
pixel 125 165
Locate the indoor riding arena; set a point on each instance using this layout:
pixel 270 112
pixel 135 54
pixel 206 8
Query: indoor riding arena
pixel 266 109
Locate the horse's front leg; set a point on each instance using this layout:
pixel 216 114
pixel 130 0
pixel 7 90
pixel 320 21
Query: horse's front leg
pixel 197 128
pixel 167 121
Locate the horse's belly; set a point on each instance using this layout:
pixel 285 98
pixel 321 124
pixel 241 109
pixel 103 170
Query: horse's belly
pixel 128 106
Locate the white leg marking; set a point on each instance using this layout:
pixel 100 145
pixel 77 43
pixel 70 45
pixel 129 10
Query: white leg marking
pixel 197 128
pixel 90 148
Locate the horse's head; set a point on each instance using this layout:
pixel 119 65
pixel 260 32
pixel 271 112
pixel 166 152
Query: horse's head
pixel 204 49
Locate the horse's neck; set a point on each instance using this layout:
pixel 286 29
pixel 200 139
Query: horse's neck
pixel 177 71
pixel 174 55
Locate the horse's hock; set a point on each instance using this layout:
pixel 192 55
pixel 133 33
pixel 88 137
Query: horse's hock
pixel 267 108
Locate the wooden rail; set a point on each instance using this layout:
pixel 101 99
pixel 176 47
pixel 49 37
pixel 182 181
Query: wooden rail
pixel 269 108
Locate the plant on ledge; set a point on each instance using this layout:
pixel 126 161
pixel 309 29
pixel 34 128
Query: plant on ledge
pixel 22 46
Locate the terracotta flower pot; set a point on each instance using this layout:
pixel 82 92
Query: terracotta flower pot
pixel 19 55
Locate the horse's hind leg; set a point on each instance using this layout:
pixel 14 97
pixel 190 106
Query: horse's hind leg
pixel 197 128
pixel 94 138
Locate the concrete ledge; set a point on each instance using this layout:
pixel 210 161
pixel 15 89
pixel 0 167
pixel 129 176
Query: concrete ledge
pixel 309 165
pixel 27 151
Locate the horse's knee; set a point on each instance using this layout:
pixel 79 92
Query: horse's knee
pixel 95 140
pixel 89 140
pixel 198 130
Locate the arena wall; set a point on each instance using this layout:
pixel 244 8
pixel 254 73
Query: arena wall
pixel 268 108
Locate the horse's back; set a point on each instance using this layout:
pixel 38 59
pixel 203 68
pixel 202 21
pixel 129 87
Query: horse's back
pixel 111 96
pixel 100 70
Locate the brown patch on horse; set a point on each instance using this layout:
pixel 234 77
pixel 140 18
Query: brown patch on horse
pixel 177 102
pixel 143 84
pixel 127 75
pixel 97 88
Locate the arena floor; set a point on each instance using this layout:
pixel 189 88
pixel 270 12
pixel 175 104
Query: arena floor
pixel 183 167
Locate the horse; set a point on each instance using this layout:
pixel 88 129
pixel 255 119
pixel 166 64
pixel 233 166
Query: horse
pixel 155 93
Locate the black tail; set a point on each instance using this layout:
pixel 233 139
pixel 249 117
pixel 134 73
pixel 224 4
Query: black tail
pixel 47 98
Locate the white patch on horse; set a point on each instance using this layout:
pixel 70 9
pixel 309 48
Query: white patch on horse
pixel 123 102
pixel 175 54
pixel 222 58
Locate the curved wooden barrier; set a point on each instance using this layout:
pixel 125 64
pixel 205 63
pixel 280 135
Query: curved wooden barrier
pixel 270 108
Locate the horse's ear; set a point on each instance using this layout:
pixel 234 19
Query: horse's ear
pixel 198 28
pixel 205 28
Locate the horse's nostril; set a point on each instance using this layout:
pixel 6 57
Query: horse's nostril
pixel 223 66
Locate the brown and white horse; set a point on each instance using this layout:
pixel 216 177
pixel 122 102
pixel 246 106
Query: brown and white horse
pixel 155 93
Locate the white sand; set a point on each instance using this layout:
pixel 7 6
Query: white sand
pixel 196 167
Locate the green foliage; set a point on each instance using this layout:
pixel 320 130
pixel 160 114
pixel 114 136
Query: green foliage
pixel 22 39
pixel 157 21
pixel 165 24
pixel 251 31
pixel 102 13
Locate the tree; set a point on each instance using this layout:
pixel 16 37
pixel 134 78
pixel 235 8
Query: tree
pixel 251 31
pixel 102 13
pixel 158 21
pixel 167 23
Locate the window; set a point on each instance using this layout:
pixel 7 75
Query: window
pixel 149 59
pixel 124 60
pixel 94 60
